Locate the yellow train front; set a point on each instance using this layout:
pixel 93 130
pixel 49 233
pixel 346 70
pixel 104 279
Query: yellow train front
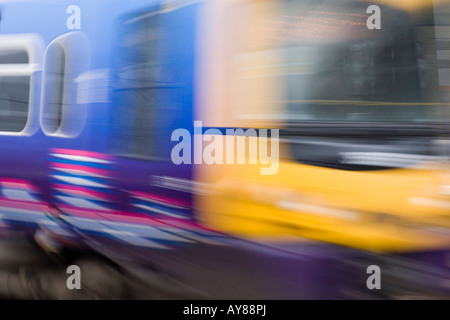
pixel 327 124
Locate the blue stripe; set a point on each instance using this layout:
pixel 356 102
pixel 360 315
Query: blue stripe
pixel 83 163
pixel 71 175
pixel 99 189
pixel 159 207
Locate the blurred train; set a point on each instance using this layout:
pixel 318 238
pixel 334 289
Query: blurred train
pixel 91 93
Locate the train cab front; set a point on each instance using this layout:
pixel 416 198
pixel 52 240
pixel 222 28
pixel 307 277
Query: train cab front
pixel 334 129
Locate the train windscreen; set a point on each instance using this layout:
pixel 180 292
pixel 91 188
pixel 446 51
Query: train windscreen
pixel 329 66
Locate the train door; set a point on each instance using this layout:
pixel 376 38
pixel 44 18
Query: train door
pixel 21 193
pixel 77 178
pixel 152 98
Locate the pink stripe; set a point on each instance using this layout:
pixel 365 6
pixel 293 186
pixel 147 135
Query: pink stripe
pixel 130 217
pixel 17 184
pixel 82 191
pixel 26 205
pixel 80 213
pixel 160 199
pixel 82 153
pixel 81 168
pixel 98 215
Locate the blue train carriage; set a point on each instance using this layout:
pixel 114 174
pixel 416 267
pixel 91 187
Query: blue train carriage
pixel 84 116
pixel 86 113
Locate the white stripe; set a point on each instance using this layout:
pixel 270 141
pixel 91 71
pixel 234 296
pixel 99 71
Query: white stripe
pixel 430 202
pixel 83 223
pixel 82 203
pixel 19 195
pixel 142 206
pixel 24 211
pixel 84 194
pixel 317 210
pixel 22 215
pixel 133 239
pixel 146 231
pixel 80 172
pixel 80 181
pixel 79 158
pixel 384 159
pixel 159 202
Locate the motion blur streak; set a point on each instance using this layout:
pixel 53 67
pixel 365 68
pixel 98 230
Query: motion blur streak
pixel 91 93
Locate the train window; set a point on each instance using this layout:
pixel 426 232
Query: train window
pixel 13 56
pixel 66 58
pixel 19 62
pixel 14 102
